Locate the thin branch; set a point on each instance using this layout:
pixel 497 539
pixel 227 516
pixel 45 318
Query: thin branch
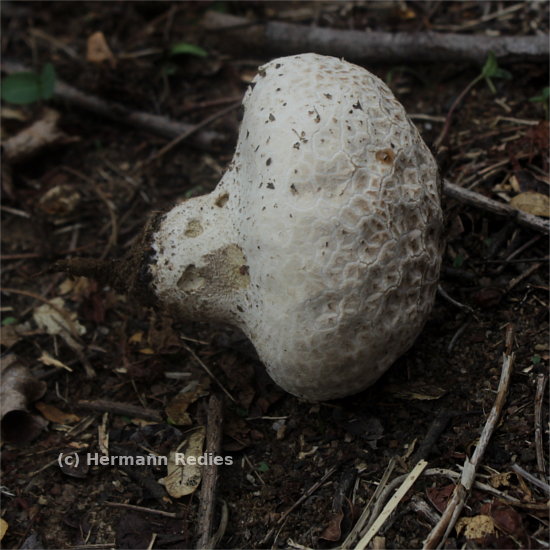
pixel 479 201
pixel 156 124
pixel 441 531
pixel 539 397
pixel 121 409
pixel 207 507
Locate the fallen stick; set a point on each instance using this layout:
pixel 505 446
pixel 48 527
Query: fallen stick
pixel 208 493
pixel 472 198
pixel 392 504
pixel 156 124
pixel 539 447
pixel 121 409
pixel 456 503
pixel 376 46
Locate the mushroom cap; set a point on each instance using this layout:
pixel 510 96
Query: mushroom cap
pixel 323 240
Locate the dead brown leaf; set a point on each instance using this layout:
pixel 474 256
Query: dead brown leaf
pixel 55 415
pixel 532 203
pixel 98 50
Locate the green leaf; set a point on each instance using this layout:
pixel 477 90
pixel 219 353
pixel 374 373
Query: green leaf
pixel 47 81
pixel 27 87
pixel 458 261
pixel 262 467
pixel 492 70
pixel 21 88
pixel 536 359
pixel 490 67
pixel 9 321
pixel 543 97
pixel 188 49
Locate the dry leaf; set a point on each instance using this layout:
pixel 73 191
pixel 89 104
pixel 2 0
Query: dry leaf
pixel 10 113
pixel 183 476
pixel 55 415
pixel 9 336
pixel 47 359
pixel 500 480
pixel 176 410
pixel 3 528
pixel 439 496
pixel 505 518
pixel 103 435
pixel 476 527
pixel 333 531
pixel 18 389
pixel 532 203
pixel 136 338
pixel 417 391
pixel 33 139
pixel 54 319
pixel 98 50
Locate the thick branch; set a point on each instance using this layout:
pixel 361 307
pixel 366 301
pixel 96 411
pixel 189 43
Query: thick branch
pixel 377 46
pixel 156 124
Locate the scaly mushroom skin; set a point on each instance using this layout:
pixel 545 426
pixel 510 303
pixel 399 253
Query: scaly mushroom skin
pixel 322 241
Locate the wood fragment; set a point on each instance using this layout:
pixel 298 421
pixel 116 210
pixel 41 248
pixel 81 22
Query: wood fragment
pixel 367 511
pixel 143 509
pixel 307 494
pixel 392 504
pixel 155 124
pixel 35 138
pixel 366 46
pixel 539 397
pixel 543 486
pixel 208 492
pixel 456 503
pixel 529 271
pixel 121 409
pixel 484 203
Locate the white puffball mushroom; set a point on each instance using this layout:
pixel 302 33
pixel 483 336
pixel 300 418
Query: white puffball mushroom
pixel 322 241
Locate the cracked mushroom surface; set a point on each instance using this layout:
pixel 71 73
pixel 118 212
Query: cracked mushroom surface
pixel 322 241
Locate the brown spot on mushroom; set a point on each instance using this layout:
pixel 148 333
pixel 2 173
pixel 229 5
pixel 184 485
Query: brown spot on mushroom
pixel 193 229
pixel 222 200
pixel 386 156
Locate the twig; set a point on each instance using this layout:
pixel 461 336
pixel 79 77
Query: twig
pixel 209 372
pixel 108 203
pixel 457 335
pixel 437 426
pixel 367 511
pixel 420 506
pixel 307 494
pixel 207 506
pixel 516 280
pixel 441 531
pixel 392 504
pixel 448 119
pixel 142 509
pixel 155 124
pixel 479 201
pixel 192 130
pixel 121 409
pixel 544 487
pixel 217 536
pixel 443 293
pixel 539 397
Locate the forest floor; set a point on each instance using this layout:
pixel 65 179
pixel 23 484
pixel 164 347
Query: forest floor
pixel 91 193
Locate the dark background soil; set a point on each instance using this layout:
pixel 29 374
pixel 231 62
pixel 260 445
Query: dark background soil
pixel 280 446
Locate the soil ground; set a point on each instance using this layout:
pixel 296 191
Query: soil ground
pixel 280 446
